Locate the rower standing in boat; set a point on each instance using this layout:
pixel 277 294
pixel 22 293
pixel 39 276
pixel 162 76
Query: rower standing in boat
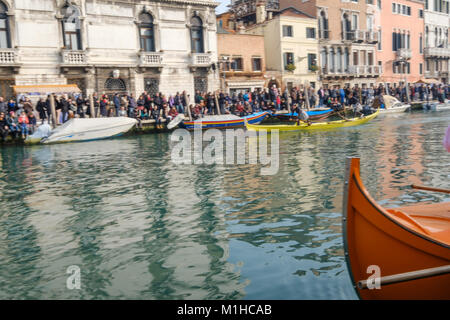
pixel 303 116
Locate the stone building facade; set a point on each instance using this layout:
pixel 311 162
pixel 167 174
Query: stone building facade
pixel 436 42
pixel 348 38
pixel 109 45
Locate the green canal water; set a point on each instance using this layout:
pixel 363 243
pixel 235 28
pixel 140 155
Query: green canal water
pixel 141 227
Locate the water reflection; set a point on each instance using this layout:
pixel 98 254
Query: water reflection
pixel 141 227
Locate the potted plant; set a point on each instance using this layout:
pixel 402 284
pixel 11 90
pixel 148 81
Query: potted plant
pixel 313 68
pixel 291 67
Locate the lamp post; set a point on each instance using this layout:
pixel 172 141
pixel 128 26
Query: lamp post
pixel 224 61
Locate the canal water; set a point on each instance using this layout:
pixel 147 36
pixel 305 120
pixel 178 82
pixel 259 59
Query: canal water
pixel 141 227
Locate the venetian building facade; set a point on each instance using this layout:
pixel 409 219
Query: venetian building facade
pixel 437 49
pixel 402 54
pixel 348 38
pixel 125 46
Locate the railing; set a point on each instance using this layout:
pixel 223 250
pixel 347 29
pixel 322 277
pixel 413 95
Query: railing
pixel 372 37
pixel 8 56
pixel 201 59
pixel 404 53
pixel 324 34
pixel 150 59
pixel 437 52
pixel 352 71
pixel 74 57
pixel 360 36
pixel 338 71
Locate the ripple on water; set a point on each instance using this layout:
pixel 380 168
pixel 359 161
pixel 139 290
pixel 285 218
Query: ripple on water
pixel 141 227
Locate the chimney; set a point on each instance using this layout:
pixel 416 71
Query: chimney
pixel 261 13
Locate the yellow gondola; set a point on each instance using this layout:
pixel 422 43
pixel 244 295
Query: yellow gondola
pixel 315 126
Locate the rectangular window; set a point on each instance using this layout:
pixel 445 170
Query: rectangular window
pixel 379 4
pixel 421 13
pixel 312 61
pixel 236 64
pixel 311 33
pixel 379 40
pixel 394 8
pixel 287 31
pixel 256 62
pixel 421 44
pixel 420 68
pixel 394 41
pixel 355 22
pixel 288 59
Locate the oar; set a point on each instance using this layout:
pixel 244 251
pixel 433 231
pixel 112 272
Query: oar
pixel 408 276
pixel 430 189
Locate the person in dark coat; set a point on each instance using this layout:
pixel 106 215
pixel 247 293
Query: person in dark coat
pixel 41 107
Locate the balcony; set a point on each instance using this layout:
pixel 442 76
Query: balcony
pixel 368 71
pixel 200 60
pixel 74 58
pixel 372 37
pixel 436 74
pixel 355 36
pixel 437 52
pixel 336 72
pixel 352 71
pixel 404 54
pixel 151 59
pixel 8 57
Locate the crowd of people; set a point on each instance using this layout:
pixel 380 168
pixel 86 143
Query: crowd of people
pixel 20 118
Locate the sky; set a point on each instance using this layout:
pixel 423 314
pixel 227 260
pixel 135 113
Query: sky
pixel 223 6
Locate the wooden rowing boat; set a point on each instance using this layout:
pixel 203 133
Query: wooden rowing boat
pixel 315 126
pixel 313 115
pixel 410 245
pixel 224 121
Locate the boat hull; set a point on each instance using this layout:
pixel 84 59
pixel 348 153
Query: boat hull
pixel 392 241
pixel 215 124
pixel 401 109
pixel 313 115
pixel 315 126
pixel 104 130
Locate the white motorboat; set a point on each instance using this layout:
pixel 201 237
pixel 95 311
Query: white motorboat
pixel 90 129
pixel 392 105
pixel 437 106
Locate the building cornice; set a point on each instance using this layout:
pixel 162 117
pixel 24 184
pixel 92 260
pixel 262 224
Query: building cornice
pixel 206 3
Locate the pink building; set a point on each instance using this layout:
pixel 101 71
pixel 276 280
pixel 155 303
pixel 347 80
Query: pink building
pixel 401 50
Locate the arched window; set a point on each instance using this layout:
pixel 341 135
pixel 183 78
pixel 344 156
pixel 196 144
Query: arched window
pixel 347 27
pixel 197 35
pixel 115 85
pixel 5 39
pixel 436 37
pixel 146 32
pixel 346 60
pixel 71 27
pixel 339 59
pixel 323 25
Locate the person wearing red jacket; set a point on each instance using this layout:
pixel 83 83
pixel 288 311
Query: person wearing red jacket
pixel 23 123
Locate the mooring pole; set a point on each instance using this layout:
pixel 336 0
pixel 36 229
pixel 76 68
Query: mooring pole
pixel 307 95
pixel 53 110
pixel 91 106
pixel 188 106
pixel 217 103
